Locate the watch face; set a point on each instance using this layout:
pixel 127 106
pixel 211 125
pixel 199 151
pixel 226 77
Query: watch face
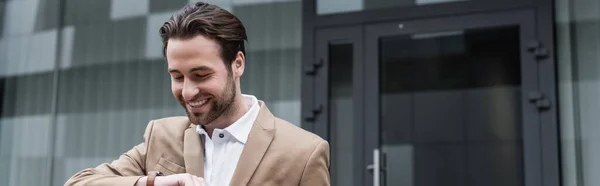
pixel 155 173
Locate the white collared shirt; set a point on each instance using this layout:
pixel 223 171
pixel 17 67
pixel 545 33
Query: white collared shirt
pixel 222 151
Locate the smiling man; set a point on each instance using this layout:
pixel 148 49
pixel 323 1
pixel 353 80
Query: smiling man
pixel 227 138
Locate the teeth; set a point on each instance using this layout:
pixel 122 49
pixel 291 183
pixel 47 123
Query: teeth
pixel 198 103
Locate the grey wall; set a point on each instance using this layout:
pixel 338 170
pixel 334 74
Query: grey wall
pixel 578 36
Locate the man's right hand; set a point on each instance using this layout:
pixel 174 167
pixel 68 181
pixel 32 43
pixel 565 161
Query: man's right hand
pixel 175 180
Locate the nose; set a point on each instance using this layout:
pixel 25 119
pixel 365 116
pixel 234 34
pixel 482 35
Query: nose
pixel 189 91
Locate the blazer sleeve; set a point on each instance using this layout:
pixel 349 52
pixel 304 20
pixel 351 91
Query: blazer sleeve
pixel 316 170
pixel 124 171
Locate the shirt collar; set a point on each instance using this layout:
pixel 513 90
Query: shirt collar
pixel 240 129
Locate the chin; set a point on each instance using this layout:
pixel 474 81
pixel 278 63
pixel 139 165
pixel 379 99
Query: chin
pixel 193 117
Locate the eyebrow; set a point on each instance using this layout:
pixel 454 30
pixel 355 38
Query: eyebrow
pixel 200 68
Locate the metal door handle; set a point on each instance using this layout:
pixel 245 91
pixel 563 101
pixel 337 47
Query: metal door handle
pixel 375 167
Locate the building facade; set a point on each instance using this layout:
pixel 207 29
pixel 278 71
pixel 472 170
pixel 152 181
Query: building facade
pixel 408 93
pixel 81 79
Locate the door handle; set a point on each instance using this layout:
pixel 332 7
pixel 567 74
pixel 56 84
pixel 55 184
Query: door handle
pixel 375 167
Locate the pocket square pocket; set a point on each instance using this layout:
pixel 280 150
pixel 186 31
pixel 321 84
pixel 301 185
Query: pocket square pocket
pixel 169 167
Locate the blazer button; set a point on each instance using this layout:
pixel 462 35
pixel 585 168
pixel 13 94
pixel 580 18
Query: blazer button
pixel 221 135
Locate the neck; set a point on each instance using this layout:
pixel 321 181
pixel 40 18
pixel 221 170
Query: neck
pixel 238 109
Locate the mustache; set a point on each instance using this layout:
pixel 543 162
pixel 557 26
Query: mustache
pixel 182 100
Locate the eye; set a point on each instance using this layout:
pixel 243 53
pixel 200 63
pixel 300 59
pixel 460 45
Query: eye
pixel 201 75
pixel 178 78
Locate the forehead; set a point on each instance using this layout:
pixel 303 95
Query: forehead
pixel 198 49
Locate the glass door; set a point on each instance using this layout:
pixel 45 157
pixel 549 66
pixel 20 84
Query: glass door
pixel 448 102
pixel 338 99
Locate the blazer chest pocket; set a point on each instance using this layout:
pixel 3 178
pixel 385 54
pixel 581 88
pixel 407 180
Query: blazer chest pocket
pixel 168 167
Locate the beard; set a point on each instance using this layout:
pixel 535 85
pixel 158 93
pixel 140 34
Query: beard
pixel 219 106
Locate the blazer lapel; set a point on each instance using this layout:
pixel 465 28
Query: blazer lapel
pixel 258 142
pixel 193 152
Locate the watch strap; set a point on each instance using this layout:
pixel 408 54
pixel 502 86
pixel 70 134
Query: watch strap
pixel 151 177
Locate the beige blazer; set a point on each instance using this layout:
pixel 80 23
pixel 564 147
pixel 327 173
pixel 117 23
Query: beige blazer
pixel 276 153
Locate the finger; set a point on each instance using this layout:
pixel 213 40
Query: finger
pixel 198 181
pixel 189 182
pixel 202 181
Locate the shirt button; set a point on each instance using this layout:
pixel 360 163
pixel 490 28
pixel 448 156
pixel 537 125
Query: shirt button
pixel 221 135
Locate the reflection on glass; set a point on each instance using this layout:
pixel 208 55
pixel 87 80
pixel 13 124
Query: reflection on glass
pixel 341 109
pixel 25 128
pixel 450 108
pixel 578 56
pixel 334 6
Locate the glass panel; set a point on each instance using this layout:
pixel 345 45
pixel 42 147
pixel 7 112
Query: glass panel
pixel 578 52
pixel 25 129
pixel 273 60
pixel 28 39
pixel 451 109
pixel 340 108
pixel 333 6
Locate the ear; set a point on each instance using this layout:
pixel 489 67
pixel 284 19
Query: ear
pixel 238 65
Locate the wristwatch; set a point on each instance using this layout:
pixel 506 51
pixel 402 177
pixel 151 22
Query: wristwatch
pixel 151 176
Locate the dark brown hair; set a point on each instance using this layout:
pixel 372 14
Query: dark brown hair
pixel 209 21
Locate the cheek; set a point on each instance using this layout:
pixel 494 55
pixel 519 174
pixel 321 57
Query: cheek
pixel 211 88
pixel 176 89
pixel 214 86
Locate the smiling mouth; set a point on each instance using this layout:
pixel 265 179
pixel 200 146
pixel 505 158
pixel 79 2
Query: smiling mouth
pixel 197 104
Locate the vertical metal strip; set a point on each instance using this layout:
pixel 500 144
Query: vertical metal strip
pixel 576 98
pixel 55 84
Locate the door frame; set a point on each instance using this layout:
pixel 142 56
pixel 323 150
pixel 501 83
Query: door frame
pixel 532 152
pixel 544 28
pixel 322 89
pixel 311 100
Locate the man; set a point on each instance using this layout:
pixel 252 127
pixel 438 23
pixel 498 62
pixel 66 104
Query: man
pixel 227 138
